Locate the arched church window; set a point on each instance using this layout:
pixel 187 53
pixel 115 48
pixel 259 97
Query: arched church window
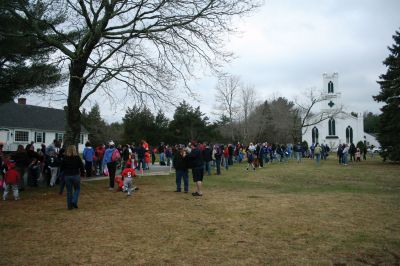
pixel 315 135
pixel 349 134
pixel 330 87
pixel 331 127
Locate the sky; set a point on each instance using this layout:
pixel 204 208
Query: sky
pixel 284 48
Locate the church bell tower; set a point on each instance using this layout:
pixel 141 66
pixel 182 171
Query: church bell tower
pixel 330 91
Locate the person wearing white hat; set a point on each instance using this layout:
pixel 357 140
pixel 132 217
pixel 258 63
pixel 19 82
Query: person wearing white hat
pixel 111 164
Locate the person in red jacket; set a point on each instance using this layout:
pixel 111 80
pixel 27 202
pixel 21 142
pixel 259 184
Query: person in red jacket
pixel 11 179
pixel 99 153
pixel 128 174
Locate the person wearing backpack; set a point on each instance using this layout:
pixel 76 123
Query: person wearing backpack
pixel 111 157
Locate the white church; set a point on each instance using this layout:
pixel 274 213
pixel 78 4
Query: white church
pixel 341 127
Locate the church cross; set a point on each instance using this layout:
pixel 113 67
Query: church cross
pixel 331 104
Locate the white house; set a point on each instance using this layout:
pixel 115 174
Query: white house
pixel 22 124
pixel 341 127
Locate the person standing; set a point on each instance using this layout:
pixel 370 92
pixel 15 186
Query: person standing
pixel 352 152
pixel 88 155
pixel 231 149
pixel 317 153
pixel 299 152
pixel 345 158
pixel 146 158
pixel 340 153
pixel 72 167
pixel 21 165
pixel 161 151
pixel 111 163
pixel 364 152
pixel 153 155
pixel 53 163
pixel 358 155
pixel 141 164
pixel 196 162
pixel 207 156
pixel 100 149
pixel 218 157
pixel 181 169
pixel 226 157
pixel 11 179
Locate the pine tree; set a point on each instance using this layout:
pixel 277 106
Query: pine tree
pixel 390 94
pixel 93 122
pixel 24 59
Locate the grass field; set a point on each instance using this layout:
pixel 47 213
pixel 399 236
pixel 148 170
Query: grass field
pixel 283 214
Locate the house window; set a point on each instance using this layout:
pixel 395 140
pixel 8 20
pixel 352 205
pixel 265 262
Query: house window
pixel 81 139
pixel 40 137
pixel 315 135
pixel 330 87
pixel 349 135
pixel 21 136
pixel 60 137
pixel 331 127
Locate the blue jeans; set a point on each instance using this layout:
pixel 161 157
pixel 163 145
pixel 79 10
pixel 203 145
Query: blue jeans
pixel 207 167
pixel 179 175
pixel 298 156
pixel 162 156
pixel 73 183
pixel 345 158
pixel 218 164
pixel 141 163
pixel 317 158
pixel 226 163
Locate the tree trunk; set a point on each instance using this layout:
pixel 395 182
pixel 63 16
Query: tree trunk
pixel 76 84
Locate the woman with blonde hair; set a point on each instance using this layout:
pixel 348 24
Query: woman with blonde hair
pixel 73 168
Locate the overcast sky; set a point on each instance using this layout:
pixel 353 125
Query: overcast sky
pixel 287 45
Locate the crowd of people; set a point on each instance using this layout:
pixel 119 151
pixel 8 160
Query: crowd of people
pixel 55 164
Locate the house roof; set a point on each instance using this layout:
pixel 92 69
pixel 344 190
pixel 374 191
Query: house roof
pixel 15 115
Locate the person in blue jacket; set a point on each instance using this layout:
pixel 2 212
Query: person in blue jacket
pixel 88 155
pixel 111 164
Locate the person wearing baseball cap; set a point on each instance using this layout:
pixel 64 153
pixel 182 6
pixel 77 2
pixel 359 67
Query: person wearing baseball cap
pixel 111 164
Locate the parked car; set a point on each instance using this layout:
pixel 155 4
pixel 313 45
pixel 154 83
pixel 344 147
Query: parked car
pixel 375 150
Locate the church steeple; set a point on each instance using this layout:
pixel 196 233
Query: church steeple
pixel 330 91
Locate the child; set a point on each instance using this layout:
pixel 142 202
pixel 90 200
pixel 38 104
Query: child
pixel 127 174
pixel 358 155
pixel 250 159
pixel 11 179
pixel 119 183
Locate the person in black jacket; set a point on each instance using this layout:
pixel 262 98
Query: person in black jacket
pixel 181 169
pixel 72 167
pixel 207 157
pixel 21 165
pixel 197 165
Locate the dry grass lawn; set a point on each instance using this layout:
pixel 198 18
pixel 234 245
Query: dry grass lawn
pixel 284 214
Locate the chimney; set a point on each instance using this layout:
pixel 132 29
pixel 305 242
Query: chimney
pixel 22 101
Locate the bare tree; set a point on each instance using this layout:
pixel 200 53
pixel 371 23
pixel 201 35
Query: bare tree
pixel 141 46
pixel 248 105
pixel 305 117
pixel 228 88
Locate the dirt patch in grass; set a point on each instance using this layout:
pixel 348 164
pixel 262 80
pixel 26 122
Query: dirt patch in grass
pixel 242 219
